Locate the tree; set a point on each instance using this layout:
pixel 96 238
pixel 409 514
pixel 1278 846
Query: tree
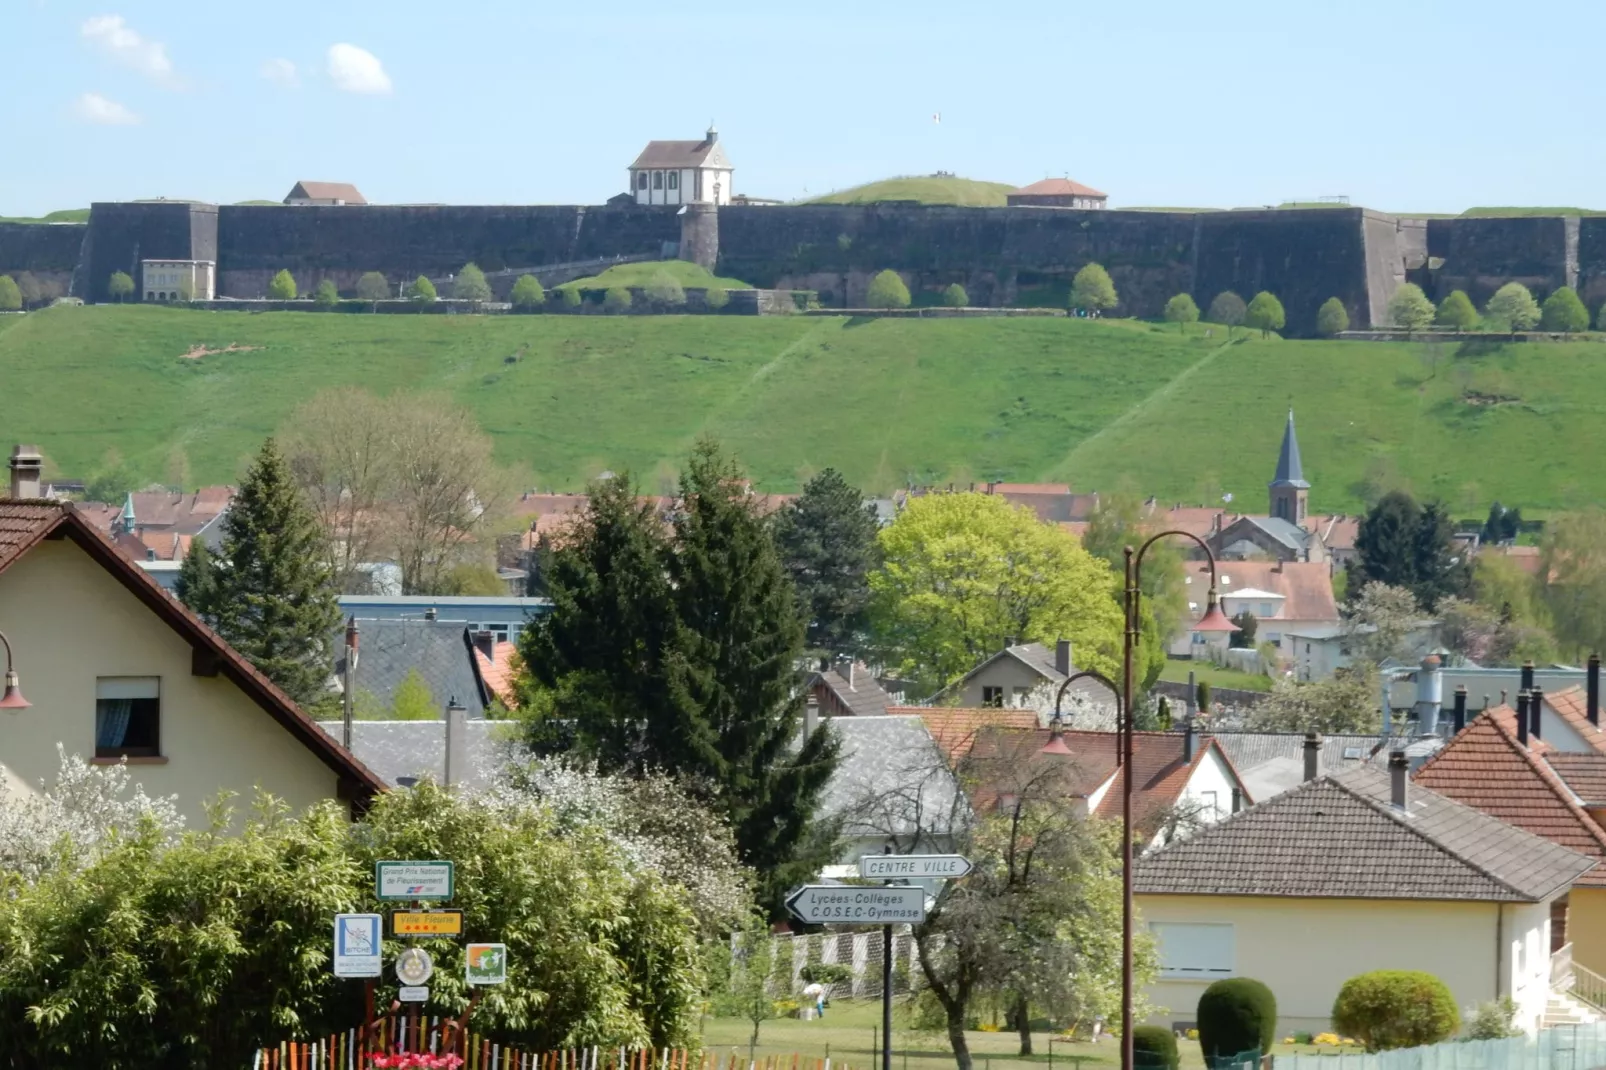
pixel 1573 561
pixel 373 287
pixel 674 648
pixel 827 541
pixel 1457 311
pixel 1502 525
pixel 1564 312
pixel 1265 313
pixel 1236 1014
pixel 1332 318
pixel 197 582
pixel 10 294
pixel 1408 545
pixel 282 287
pixel 28 288
pixel 326 296
pixel 665 291
pixel 1227 309
pixel 1244 637
pixel 749 975
pixel 471 578
pixel 1513 308
pixel 1410 308
pixel 470 284
pixel 887 290
pixel 113 481
pixel 1600 318
pixel 120 286
pixel 963 571
pixel 1118 522
pixel 1182 311
pixel 954 296
pixel 421 291
pixel 617 299
pixel 528 296
pixel 572 297
pixel 275 597
pixel 1093 290
pixel 413 701
pixel 1378 622
pixel 1346 702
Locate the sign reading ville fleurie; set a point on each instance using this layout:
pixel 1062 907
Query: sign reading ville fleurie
pixel 819 903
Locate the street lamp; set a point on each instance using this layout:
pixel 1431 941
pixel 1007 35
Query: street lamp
pixel 12 698
pixel 1132 600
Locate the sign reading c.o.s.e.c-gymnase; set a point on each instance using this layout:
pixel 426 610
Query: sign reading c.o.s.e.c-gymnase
pixel 413 880
pixel 820 903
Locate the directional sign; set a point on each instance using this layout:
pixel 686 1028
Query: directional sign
pixel 820 903
pixel 413 880
pixel 426 923
pixel 358 951
pixel 413 994
pixel 892 867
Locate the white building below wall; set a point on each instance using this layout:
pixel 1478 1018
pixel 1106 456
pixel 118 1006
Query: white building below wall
pixel 682 172
pixel 178 280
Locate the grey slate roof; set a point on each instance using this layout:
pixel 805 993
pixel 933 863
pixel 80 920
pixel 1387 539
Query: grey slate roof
pixel 442 652
pixel 1339 837
pixel 679 154
pixel 863 698
pixel 1271 763
pixel 891 777
pixel 1290 535
pixel 1040 659
pixel 396 749
pixel 1290 471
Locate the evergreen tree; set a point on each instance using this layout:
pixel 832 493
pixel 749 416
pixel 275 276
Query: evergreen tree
pixel 271 594
pixel 1502 525
pixel 1442 570
pixel 827 542
pixel 1404 544
pixel 197 583
pixel 1332 317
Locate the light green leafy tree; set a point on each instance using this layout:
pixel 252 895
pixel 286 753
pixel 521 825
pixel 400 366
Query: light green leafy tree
pixel 716 298
pixel 1564 312
pixel 1410 308
pixel 528 295
pixel 10 294
pixel 282 287
pixel 617 299
pixel 954 296
pixel 413 700
pixel 373 287
pixel 751 973
pixel 470 285
pixel 1457 311
pixel 1117 523
pixel 1332 318
pixel 887 290
pixel 1264 314
pixel 120 286
pixel 665 291
pixel 1182 311
pixel 1513 308
pixel 326 296
pixel 422 291
pixel 1573 558
pixel 1093 290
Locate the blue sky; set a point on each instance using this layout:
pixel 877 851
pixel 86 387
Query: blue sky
pixel 1410 105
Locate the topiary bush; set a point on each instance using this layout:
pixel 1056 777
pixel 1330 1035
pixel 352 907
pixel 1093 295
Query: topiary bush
pixel 1154 1047
pixel 1388 1009
pixel 1235 1015
pixel 955 296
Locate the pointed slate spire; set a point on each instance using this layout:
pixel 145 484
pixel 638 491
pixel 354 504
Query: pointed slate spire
pixel 1290 472
pixel 128 517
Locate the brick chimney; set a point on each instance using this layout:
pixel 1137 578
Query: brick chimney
pixel 27 470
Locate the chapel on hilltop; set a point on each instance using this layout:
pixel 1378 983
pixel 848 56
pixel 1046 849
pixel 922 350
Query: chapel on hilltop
pixel 682 172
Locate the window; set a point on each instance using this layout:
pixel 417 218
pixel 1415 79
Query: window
pixel 674 180
pixel 1266 609
pixel 657 180
pixel 1210 801
pixel 992 696
pixel 499 630
pixel 641 180
pixel 128 717
pixel 1194 950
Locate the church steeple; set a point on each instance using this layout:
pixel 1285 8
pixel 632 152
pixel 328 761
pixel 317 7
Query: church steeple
pixel 1288 490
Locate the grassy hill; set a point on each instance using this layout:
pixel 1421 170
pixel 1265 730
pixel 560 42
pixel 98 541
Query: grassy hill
pixel 886 401
pixel 927 189
pixel 68 215
pixel 690 276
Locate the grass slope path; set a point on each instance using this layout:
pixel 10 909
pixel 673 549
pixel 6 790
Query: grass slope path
pixel 886 401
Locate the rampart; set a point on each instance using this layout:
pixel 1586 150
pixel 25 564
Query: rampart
pixel 48 250
pixel 1480 255
pixel 123 234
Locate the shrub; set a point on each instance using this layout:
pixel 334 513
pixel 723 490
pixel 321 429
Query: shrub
pixel 1332 317
pixel 1564 312
pixel 527 293
pixel 955 296
pixel 1201 696
pixel 1154 1047
pixel 571 297
pixel 1388 1009
pixel 664 291
pixel 1457 311
pixel 326 296
pixel 373 287
pixel 1236 1015
pixel 617 299
pixel 1493 1020
pixel 716 298
pixel 283 287
pixel 826 973
pixel 422 291
pixel 1182 311
pixel 10 294
pixel 1265 313
pixel 887 291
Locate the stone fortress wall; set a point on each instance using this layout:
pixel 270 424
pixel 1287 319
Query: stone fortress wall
pixel 1303 255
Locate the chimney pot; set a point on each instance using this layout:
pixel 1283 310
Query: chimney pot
pixel 1536 704
pixel 27 469
pixel 456 740
pixel 811 717
pixel 1237 799
pixel 1429 696
pixel 1527 675
pixel 1592 690
pixel 1399 781
pixel 1189 742
pixel 485 643
pixel 1522 718
pixel 1009 641
pixel 430 614
pixel 1460 708
pixel 1313 755
pixel 1062 656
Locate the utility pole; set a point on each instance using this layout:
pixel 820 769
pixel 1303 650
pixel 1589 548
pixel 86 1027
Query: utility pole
pixel 886 988
pixel 347 681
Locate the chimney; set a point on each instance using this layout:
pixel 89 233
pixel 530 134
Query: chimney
pixel 847 672
pixel 1193 693
pixel 1460 708
pixel 27 469
pixel 1527 676
pixel 1237 799
pixel 456 741
pixel 1062 656
pixel 1522 718
pixel 1536 704
pixel 430 614
pixel 811 717
pixel 1188 742
pixel 1009 641
pixel 485 643
pixel 1313 755
pixel 1429 696
pixel 1399 781
pixel 1592 690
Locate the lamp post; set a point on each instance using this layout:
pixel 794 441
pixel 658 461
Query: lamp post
pixel 1132 601
pixel 11 698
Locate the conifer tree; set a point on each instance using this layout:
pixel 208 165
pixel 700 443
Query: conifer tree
pixel 827 541
pixel 271 594
pixel 197 583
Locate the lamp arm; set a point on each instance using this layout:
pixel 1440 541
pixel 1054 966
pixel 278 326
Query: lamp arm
pixel 7 644
pixel 1087 674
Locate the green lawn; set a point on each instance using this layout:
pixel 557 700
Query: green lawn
pixel 1097 404
pixel 927 189
pixel 1176 671
pixel 689 275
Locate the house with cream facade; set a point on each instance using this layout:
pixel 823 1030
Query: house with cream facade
pixel 1351 873
pixel 178 280
pixel 682 172
pixel 117 670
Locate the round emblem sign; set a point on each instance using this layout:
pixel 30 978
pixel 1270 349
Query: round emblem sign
pixel 414 966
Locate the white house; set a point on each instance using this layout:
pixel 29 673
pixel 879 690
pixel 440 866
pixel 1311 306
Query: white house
pixel 178 280
pixel 1285 597
pixel 682 172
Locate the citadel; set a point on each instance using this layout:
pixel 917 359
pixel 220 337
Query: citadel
pixel 680 202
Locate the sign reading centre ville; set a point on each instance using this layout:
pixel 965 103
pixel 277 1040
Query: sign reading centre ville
pixel 820 903
pixel 892 867
pixel 413 880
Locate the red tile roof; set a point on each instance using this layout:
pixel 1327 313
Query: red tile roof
pixel 1057 187
pixel 955 728
pixel 498 672
pixel 1306 586
pixel 25 524
pixel 1485 767
pixel 1572 706
pixel 326 191
pixel 1584 775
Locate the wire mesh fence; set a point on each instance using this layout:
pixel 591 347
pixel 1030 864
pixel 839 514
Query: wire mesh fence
pixel 1579 1047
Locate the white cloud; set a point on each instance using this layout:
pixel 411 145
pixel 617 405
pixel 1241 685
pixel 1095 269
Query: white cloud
pixel 281 72
pixel 112 35
pixel 356 70
pixel 94 108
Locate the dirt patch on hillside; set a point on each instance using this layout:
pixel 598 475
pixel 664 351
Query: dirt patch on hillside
pixel 1473 397
pixel 196 352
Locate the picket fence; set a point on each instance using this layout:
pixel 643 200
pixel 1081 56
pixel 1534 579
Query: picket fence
pixel 1565 1047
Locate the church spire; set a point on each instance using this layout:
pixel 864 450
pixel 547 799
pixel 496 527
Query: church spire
pixel 1289 491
